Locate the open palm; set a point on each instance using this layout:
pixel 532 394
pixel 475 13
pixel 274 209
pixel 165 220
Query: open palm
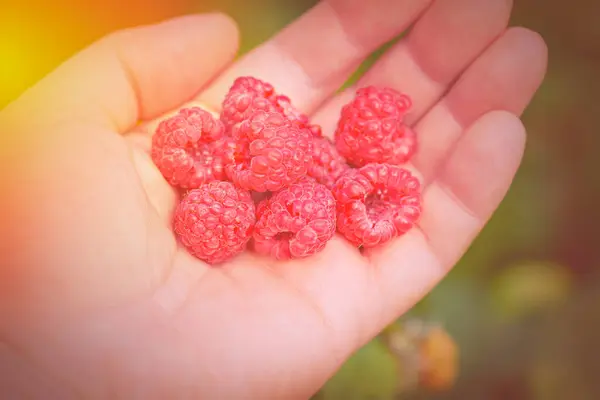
pixel 99 301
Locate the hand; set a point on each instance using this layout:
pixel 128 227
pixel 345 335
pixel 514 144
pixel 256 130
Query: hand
pixel 98 301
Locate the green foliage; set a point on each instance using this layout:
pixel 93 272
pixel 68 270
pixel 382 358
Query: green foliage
pixel 528 287
pixel 370 374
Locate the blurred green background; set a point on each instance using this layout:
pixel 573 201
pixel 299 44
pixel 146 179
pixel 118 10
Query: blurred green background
pixel 519 317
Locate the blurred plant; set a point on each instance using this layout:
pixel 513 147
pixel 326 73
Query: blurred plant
pixel 408 355
pixel 528 287
pixel 371 373
pixel 426 353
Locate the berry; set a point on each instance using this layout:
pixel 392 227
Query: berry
pixel 271 153
pixel 215 221
pixel 376 203
pixel 248 95
pixel 289 187
pixel 190 148
pixel 250 84
pixel 241 105
pixel 284 105
pixel 295 222
pixel 327 164
pixel 371 128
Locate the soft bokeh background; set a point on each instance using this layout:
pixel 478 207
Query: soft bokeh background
pixel 519 317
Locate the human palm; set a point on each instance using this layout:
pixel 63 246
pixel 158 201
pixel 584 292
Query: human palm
pixel 99 300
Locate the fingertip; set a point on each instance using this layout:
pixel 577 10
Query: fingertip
pixel 216 17
pixel 484 162
pixel 227 24
pixel 200 25
pixel 502 130
pixel 530 39
pixel 535 50
pixel 177 58
pixel 505 77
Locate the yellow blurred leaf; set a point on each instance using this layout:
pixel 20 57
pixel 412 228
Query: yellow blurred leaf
pixel 439 360
pixel 529 287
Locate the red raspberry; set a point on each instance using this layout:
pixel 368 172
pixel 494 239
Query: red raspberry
pixel 248 95
pixel 371 128
pixel 241 105
pixel 295 222
pixel 250 84
pixel 284 104
pixel 376 203
pixel 271 153
pixel 190 149
pixel 214 222
pixel 327 164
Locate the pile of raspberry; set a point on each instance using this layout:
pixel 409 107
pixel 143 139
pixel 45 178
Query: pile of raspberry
pixel 261 176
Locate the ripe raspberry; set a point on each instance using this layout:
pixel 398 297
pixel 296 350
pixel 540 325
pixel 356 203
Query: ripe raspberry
pixel 241 105
pixel 295 222
pixel 376 203
pixel 214 222
pixel 371 128
pixel 327 164
pixel 250 84
pixel 271 153
pixel 248 95
pixel 284 104
pixel 190 148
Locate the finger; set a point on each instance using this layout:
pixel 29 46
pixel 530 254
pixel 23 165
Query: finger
pixel 456 205
pixel 358 296
pixel 313 56
pixel 448 37
pixel 136 73
pixel 505 77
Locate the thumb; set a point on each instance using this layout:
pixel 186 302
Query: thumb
pixel 76 221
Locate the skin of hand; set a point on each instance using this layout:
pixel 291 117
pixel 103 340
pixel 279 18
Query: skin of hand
pixel 97 300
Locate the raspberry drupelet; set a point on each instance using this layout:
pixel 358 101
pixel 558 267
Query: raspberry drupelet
pixel 376 203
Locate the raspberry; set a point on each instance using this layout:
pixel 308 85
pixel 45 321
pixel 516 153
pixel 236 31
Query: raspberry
pixel 327 164
pixel 241 105
pixel 190 149
pixel 295 222
pixel 371 128
pixel 284 105
pixel 271 153
pixel 215 221
pixel 376 203
pixel 248 95
pixel 250 84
